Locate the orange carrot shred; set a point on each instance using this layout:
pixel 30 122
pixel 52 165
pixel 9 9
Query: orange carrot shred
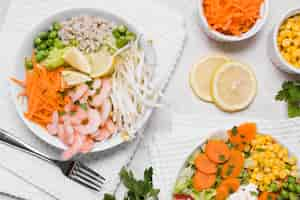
pixel 232 17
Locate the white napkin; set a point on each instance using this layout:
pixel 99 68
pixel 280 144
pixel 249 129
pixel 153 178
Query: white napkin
pixel 162 25
pixel 168 153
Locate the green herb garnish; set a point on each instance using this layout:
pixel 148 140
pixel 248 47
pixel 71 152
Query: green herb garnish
pixel 137 189
pixel 229 170
pixel 290 93
pixel 234 131
pixel 221 158
pixel 83 106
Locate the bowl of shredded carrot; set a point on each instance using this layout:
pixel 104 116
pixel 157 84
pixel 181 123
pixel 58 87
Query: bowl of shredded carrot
pixel 232 20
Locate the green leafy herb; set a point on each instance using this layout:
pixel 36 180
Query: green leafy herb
pixel 253 193
pixel 61 113
pixel 229 170
pixel 83 106
pixel 290 93
pixel 234 131
pixel 221 158
pixel 109 197
pixel 137 189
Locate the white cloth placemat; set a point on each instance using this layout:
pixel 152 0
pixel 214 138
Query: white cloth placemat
pixel 150 18
pixel 168 153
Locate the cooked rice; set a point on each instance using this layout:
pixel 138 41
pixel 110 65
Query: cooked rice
pixel 91 32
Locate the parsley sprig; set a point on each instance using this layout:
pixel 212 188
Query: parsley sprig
pixel 137 189
pixel 290 93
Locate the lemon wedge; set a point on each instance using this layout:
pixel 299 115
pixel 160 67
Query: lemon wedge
pixel 72 78
pixel 102 64
pixel 77 60
pixel 233 86
pixel 201 74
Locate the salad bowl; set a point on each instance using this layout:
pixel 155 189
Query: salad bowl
pixel 19 72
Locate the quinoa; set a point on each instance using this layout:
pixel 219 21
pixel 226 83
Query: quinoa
pixel 88 33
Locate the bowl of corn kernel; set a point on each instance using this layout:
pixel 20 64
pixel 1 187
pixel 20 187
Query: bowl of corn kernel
pixel 285 42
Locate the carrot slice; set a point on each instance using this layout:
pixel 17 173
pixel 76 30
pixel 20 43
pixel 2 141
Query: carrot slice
pixel 267 196
pixel 203 181
pixel 227 187
pixel 247 131
pixel 217 151
pixel 241 135
pixel 222 193
pixel 234 166
pixel 204 165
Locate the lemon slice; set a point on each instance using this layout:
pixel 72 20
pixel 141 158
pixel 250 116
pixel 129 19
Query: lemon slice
pixel 77 60
pixel 201 73
pixel 233 86
pixel 102 64
pixel 72 78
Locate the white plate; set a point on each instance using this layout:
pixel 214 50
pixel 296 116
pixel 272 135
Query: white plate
pixel 217 134
pixel 26 49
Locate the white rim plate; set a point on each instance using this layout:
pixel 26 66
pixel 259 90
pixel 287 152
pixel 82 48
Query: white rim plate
pixel 19 72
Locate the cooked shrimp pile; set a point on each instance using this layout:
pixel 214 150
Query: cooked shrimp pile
pixel 86 119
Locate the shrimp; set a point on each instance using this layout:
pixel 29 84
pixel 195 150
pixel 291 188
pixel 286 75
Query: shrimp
pixel 68 133
pixel 87 145
pixel 74 148
pixel 104 93
pixel 78 92
pixel 110 126
pixel 106 110
pixel 94 121
pixel 102 134
pixel 53 127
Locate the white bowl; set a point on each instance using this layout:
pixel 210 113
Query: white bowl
pixel 19 73
pixel 277 59
pixel 215 35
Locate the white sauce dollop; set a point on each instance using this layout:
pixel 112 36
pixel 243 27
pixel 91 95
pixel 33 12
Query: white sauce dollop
pixel 245 192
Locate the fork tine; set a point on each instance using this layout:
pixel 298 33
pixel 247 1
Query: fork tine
pixel 78 180
pixel 88 175
pixel 87 178
pixel 90 170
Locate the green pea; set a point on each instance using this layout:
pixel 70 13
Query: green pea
pixel 292 196
pixel 56 26
pixel 121 42
pixel 37 41
pixel 42 46
pixel 39 56
pixel 280 198
pixel 43 35
pixel 285 185
pixel 273 187
pixel 292 187
pixel 122 29
pixel 116 33
pixel 284 194
pixel 58 44
pixel 53 34
pixel 50 42
pixel 291 179
pixel 298 188
pixel 28 63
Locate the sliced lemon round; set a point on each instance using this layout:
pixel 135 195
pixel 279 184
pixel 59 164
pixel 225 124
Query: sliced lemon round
pixel 233 86
pixel 102 64
pixel 201 74
pixel 72 78
pixel 77 60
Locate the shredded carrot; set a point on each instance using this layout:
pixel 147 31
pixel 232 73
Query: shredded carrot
pixel 232 17
pixel 42 89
